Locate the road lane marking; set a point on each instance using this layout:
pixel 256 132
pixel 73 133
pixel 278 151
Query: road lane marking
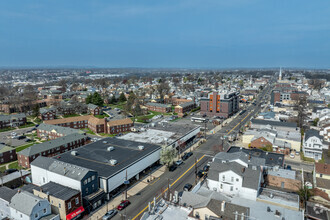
pixel 170 186
pixel 239 123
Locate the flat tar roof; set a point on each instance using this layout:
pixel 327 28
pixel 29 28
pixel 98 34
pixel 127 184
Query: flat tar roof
pixel 95 156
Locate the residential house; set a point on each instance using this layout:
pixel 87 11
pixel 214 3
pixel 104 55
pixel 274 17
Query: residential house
pixel 97 125
pixel 65 201
pixel 235 179
pixel 50 148
pixel 26 206
pixel 277 125
pixel 313 145
pixel 7 154
pixel 158 107
pixel 15 179
pixel 14 120
pixel 321 177
pixel 5 197
pixel 119 126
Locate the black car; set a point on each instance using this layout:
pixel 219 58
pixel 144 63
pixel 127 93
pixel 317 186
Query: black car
pixel 185 157
pixel 9 171
pixel 200 174
pixel 187 187
pixel 189 154
pixel 21 137
pixel 172 168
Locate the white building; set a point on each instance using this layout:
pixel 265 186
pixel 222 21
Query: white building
pixel 26 206
pixel 313 146
pixel 235 179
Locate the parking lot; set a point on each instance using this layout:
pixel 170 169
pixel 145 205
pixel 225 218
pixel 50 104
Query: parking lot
pixel 114 114
pixel 6 137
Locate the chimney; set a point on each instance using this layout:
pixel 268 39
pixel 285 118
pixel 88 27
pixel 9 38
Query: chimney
pixel 223 205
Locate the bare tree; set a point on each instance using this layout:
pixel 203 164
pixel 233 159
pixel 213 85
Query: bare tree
pixel 163 88
pixel 316 84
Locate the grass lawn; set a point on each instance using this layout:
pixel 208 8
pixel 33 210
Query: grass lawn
pixel 28 124
pixel 6 129
pixel 69 116
pixel 100 116
pixel 13 165
pixel 107 135
pixel 20 148
pixel 2 169
pixel 88 131
pixel 120 105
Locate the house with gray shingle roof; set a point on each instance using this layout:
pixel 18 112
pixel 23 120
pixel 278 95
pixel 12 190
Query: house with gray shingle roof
pixel 313 144
pixel 50 148
pixel 7 154
pixel 235 179
pixel 5 196
pixel 50 131
pixel 26 206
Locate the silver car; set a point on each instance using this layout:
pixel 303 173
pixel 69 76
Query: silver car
pixel 109 214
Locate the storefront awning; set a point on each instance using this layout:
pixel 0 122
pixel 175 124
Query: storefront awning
pixel 75 213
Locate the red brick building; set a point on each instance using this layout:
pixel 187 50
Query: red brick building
pixel 183 108
pixel 50 148
pixel 72 122
pixel 158 107
pixel 47 114
pixel 284 179
pixel 119 126
pixel 178 101
pixel 7 154
pixel 52 132
pixel 260 142
pixel 94 109
pixel 97 125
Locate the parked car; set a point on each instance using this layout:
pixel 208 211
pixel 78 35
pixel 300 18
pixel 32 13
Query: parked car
pixel 288 167
pixel 184 157
pixel 178 162
pixel 123 204
pixel 110 214
pixel 200 173
pixel 9 171
pixel 206 168
pixel 21 137
pixel 27 140
pixel 172 168
pixel 187 187
pixel 190 154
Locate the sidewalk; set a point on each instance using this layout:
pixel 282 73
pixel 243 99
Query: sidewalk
pixel 135 189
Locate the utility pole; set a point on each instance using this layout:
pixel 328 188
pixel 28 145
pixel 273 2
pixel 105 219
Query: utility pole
pixel 126 186
pixel 168 189
pixel 205 129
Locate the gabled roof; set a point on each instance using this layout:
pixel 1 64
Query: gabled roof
pixel 11 117
pixel 58 129
pixel 274 123
pixel 322 168
pixel 68 120
pixel 61 141
pixel 7 193
pixel 65 169
pixel 5 148
pixel 92 106
pixel 158 105
pixel 57 190
pixel 250 176
pixel 120 122
pixel 24 202
pixel 313 133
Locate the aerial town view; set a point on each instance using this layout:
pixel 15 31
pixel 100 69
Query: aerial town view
pixel 165 110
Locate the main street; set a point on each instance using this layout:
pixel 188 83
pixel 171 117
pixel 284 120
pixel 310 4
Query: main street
pixel 185 173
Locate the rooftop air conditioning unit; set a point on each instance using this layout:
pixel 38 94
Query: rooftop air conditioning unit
pixel 113 162
pixel 110 148
pixel 141 147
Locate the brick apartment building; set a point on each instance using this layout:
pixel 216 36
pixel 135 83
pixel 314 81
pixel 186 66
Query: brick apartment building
pixel 51 132
pixel 13 120
pixel 158 107
pixel 7 154
pixel 50 148
pixel 183 108
pixel 260 142
pixel 47 114
pixel 284 179
pixel 220 104
pixel 119 126
pixel 10 107
pixel 78 122
pixel 94 109
pixel 97 125
pixel 178 101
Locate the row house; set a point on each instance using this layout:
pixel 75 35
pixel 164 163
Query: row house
pixel 158 107
pixel 47 114
pixel 50 148
pixel 7 154
pixel 48 131
pixel 13 120
pixel 24 106
pixel 119 126
pixel 97 125
pixel 94 109
pixel 184 108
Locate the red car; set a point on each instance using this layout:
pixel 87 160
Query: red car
pixel 123 204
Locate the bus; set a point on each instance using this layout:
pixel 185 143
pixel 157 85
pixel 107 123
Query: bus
pixel 194 119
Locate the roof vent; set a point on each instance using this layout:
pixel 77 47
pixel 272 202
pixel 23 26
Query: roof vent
pixel 105 142
pixel 110 148
pixel 141 147
pixel 113 162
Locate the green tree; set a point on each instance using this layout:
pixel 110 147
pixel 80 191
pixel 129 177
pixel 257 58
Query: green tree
pixel 113 100
pixel 241 83
pixel 36 110
pixel 168 155
pixel 89 99
pixel 95 99
pixel 304 194
pixel 122 97
pixel 316 120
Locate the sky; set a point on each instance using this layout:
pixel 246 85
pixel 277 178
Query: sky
pixel 165 33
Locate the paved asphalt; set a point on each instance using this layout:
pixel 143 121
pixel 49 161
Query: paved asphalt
pixel 186 172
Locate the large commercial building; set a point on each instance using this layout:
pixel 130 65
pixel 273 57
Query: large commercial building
pixel 220 104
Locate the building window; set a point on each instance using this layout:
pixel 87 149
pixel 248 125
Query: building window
pixel 232 179
pixel 89 179
pixel 69 205
pixel 77 201
pixel 86 190
pixel 231 188
pixel 45 210
pixel 223 178
pixel 221 186
pixel 36 215
pixel 85 182
pixel 93 177
pixel 237 179
pixel 321 174
pixel 59 205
